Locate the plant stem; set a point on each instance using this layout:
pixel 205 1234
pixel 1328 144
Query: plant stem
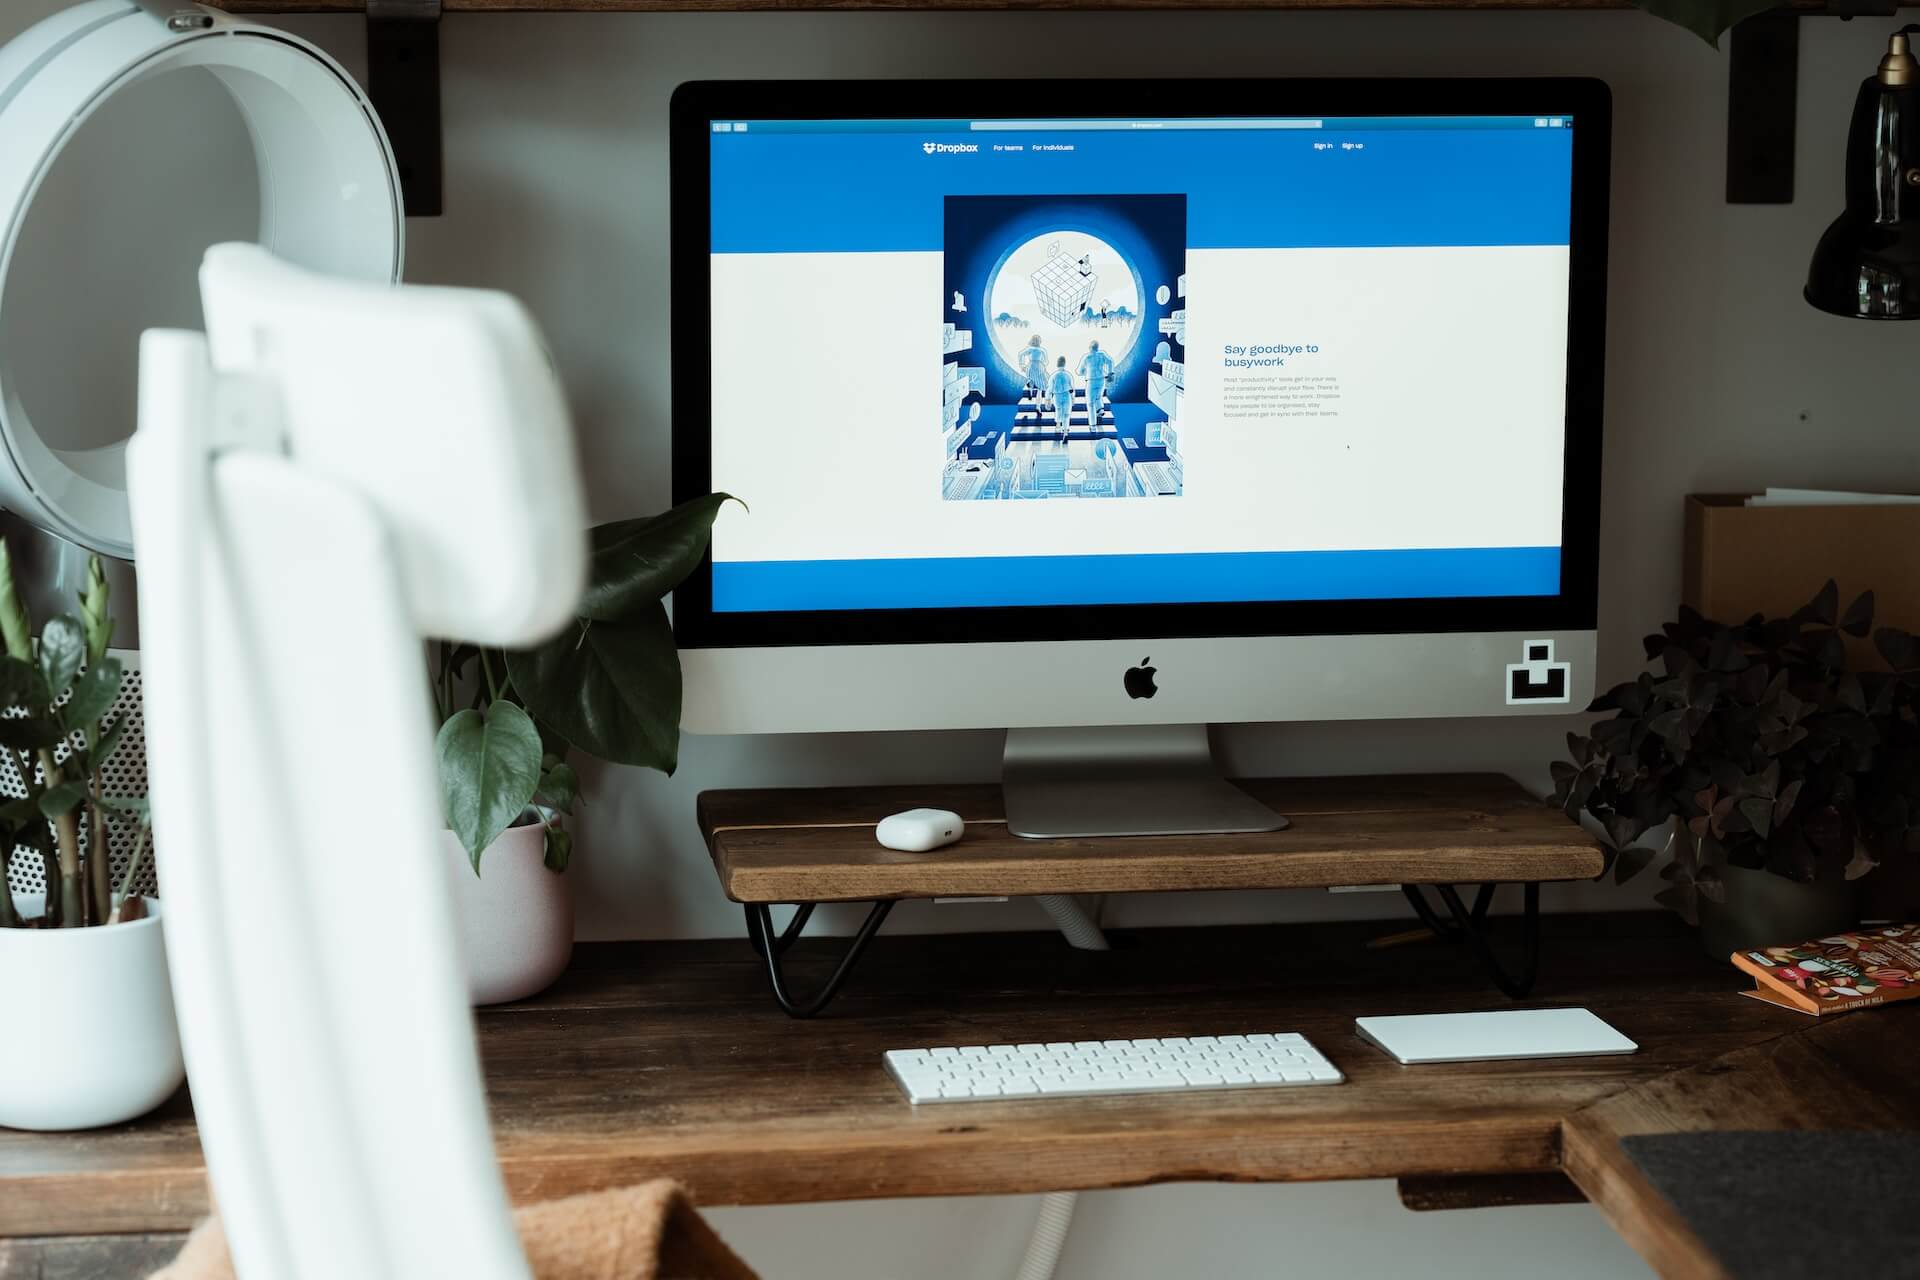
pixel 137 861
pixel 99 858
pixel 50 876
pixel 66 829
pixel 486 669
pixel 443 680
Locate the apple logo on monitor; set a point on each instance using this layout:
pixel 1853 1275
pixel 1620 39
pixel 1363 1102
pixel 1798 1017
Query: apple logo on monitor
pixel 1139 680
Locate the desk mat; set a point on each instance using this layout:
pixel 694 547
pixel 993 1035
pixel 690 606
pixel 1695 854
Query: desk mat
pixel 1793 1205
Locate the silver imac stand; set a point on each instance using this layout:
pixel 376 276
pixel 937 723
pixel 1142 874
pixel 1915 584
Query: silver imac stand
pixel 1154 780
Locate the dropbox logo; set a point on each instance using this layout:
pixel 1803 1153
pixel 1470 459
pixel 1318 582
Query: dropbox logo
pixel 949 148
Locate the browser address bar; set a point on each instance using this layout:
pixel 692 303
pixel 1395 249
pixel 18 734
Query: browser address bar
pixel 1054 126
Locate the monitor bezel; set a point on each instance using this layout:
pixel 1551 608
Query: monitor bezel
pixel 1588 101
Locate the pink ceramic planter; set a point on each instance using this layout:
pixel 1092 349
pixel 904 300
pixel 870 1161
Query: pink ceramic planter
pixel 515 918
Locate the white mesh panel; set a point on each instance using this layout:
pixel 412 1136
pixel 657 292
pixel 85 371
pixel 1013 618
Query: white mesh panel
pixel 125 775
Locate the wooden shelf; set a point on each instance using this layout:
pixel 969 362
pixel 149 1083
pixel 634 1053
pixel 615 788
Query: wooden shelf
pixel 818 845
pixel 721 6
pixel 653 1059
pixel 667 1058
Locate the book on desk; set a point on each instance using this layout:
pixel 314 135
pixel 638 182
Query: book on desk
pixel 1840 972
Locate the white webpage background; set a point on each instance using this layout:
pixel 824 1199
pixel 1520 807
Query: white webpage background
pixel 1451 366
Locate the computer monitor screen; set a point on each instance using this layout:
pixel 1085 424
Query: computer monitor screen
pixel 1308 357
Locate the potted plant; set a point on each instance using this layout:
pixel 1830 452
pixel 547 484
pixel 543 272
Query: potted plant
pixel 86 1014
pixel 1769 775
pixel 609 686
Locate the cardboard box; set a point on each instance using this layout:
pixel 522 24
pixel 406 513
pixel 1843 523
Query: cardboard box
pixel 1743 560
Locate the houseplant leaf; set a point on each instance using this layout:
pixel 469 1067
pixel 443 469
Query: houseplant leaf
pixel 59 801
pixel 94 692
pixel 489 767
pixel 637 562
pixel 559 786
pixel 63 646
pixel 28 734
pixel 1857 621
pixel 611 689
pixel 21 686
pixel 559 849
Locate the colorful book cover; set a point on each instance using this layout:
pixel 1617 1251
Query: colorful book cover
pixel 1838 973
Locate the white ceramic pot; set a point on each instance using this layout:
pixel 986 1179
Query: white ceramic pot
pixel 86 1018
pixel 515 918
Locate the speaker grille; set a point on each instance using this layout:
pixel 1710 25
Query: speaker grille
pixel 125 775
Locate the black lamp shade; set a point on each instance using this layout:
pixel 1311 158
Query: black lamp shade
pixel 1867 265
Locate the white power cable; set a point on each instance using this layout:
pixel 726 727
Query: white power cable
pixel 1074 921
pixel 1056 1207
pixel 1049 1236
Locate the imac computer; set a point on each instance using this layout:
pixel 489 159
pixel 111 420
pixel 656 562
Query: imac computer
pixel 1103 411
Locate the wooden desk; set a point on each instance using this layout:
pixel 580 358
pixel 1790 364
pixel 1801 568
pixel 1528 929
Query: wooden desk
pixel 667 1058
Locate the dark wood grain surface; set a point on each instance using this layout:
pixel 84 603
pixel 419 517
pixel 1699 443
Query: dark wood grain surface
pixel 1854 1072
pixel 715 6
pixel 127 1257
pixel 670 1058
pixel 818 846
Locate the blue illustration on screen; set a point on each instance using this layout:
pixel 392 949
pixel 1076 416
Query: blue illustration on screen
pixel 1064 378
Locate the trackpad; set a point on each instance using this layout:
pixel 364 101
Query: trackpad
pixel 1483 1037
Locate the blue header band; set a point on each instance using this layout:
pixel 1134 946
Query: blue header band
pixel 1170 124
pixel 1171 578
pixel 1342 187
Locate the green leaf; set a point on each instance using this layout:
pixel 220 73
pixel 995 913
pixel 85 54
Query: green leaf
pixel 136 805
pixel 21 810
pixel 559 847
pixel 30 733
pixel 489 767
pixel 16 629
pixel 559 788
pixel 109 742
pixel 57 802
pixel 63 647
pixel 637 562
pixel 94 612
pixel 610 689
pixel 21 686
pixel 94 692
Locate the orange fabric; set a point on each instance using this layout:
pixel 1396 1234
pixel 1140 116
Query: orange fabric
pixel 648 1232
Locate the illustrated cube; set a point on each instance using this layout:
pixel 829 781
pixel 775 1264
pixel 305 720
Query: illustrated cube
pixel 1062 288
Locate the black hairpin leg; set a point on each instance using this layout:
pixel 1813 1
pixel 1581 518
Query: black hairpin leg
pixel 772 945
pixel 1469 926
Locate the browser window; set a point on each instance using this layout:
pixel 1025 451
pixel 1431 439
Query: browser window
pixel 988 362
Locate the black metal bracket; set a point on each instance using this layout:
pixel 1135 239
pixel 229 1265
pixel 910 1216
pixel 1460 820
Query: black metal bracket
pixel 772 945
pixel 1469 928
pixel 403 80
pixel 1763 97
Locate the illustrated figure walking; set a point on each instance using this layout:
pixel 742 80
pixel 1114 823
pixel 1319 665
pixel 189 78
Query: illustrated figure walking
pixel 1060 387
pixel 1033 365
pixel 1097 368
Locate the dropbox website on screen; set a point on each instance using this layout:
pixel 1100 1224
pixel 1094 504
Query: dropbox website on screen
pixel 972 363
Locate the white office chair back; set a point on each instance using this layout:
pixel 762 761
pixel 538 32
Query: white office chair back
pixel 340 471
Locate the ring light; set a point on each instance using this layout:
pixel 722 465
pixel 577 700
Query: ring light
pixel 138 135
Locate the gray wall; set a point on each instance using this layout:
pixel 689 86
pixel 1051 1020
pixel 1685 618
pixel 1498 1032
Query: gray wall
pixel 1718 377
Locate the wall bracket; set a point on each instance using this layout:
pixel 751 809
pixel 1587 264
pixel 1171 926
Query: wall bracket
pixel 1763 85
pixel 403 79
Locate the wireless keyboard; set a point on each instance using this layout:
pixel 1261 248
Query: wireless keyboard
pixel 1083 1068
